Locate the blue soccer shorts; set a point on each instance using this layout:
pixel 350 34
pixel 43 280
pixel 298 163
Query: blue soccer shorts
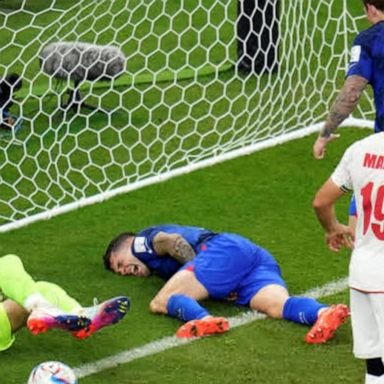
pixel 229 265
pixel 352 211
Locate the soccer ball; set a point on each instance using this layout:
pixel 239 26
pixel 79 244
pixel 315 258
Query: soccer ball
pixel 52 372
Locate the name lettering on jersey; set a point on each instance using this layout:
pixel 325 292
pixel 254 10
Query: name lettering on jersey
pixel 355 53
pixel 140 245
pixel 373 161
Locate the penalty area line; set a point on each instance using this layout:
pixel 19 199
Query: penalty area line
pixel 169 342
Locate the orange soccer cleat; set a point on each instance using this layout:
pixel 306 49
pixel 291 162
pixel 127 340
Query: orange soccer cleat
pixel 327 323
pixel 206 327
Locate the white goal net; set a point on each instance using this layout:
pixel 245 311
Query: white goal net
pixel 180 102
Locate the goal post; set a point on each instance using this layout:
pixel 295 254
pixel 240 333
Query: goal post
pixel 181 104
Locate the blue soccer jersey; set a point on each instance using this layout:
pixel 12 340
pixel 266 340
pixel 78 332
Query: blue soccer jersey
pixel 367 60
pixel 165 266
pixel 225 263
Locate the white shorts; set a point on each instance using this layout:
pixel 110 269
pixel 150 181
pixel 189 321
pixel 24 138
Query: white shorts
pixel 367 315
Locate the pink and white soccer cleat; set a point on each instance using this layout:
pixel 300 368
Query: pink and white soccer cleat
pixel 107 313
pixel 40 321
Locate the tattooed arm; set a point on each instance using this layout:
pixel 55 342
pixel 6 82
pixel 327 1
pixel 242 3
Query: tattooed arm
pixel 345 103
pixel 174 245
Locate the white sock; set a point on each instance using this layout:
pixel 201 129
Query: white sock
pixel 88 311
pixel 36 301
pixel 371 379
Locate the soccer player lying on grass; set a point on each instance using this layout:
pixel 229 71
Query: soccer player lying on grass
pixel 201 264
pixel 42 306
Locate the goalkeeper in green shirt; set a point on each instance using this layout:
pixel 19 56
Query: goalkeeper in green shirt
pixel 41 306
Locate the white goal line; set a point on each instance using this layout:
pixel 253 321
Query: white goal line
pixel 169 342
pixel 247 150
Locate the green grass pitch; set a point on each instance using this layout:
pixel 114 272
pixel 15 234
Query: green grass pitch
pixel 266 197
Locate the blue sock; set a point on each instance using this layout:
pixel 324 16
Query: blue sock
pixel 185 308
pixel 302 310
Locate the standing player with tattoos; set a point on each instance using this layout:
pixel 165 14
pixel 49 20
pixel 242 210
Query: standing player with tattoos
pixel 366 66
pixel 199 263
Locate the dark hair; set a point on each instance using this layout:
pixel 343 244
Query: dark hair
pixel 379 4
pixel 115 246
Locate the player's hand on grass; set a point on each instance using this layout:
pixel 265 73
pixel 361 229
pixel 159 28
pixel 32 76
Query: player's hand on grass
pixel 341 236
pixel 319 148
